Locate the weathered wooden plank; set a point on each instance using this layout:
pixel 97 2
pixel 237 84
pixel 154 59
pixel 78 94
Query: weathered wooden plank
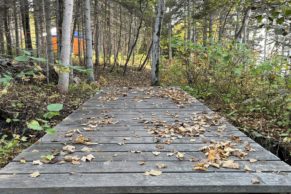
pixel 130 147
pixel 135 167
pixel 138 183
pixel 139 139
pixel 121 132
pixel 144 156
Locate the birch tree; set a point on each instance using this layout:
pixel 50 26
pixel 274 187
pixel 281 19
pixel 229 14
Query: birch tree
pixel 63 83
pixel 155 77
pixel 88 33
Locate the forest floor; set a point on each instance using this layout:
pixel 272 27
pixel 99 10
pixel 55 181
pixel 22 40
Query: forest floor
pixel 26 100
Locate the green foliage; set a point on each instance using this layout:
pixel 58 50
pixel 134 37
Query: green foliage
pixel 55 107
pixel 26 57
pixel 6 79
pixel 53 110
pixel 231 75
pixel 9 147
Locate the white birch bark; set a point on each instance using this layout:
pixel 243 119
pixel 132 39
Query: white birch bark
pixel 63 83
pixel 155 77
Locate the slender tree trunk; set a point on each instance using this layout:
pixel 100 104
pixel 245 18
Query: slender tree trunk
pixel 49 44
pixel 170 41
pixel 210 35
pixel 155 77
pixel 63 83
pixel 17 46
pixel 26 23
pixel 205 31
pixel 7 31
pixel 89 49
pixel 97 51
pixel 36 25
pixel 119 39
pixel 135 41
pixel 147 57
pixel 2 46
pixel 59 21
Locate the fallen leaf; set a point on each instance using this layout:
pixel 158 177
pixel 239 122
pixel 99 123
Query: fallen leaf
pixel 141 163
pixel 72 159
pixel 180 155
pixel 22 161
pixel 88 158
pixel 230 164
pixel 247 168
pixel 253 160
pixel 170 154
pixel 156 153
pixel 34 174
pixel 161 165
pixel 86 149
pixel 201 166
pixel 255 181
pixel 37 162
pixel 69 148
pixel 153 173
pixel 81 139
pixel 212 155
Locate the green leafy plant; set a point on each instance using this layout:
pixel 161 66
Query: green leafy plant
pixel 43 125
pixel 27 56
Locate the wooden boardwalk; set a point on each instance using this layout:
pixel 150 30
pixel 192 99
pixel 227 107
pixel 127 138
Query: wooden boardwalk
pixel 145 140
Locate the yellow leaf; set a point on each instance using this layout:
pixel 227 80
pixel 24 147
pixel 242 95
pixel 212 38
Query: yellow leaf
pixel 34 174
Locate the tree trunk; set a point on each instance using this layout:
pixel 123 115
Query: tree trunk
pixel 36 26
pixel 147 57
pixel 119 39
pixel 49 44
pixel 135 41
pixel 89 49
pixel 15 11
pixel 7 31
pixel 63 83
pixel 155 77
pixel 2 46
pixel 59 21
pixel 97 51
pixel 26 24
pixel 205 31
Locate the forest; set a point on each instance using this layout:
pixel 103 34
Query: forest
pixel 232 55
